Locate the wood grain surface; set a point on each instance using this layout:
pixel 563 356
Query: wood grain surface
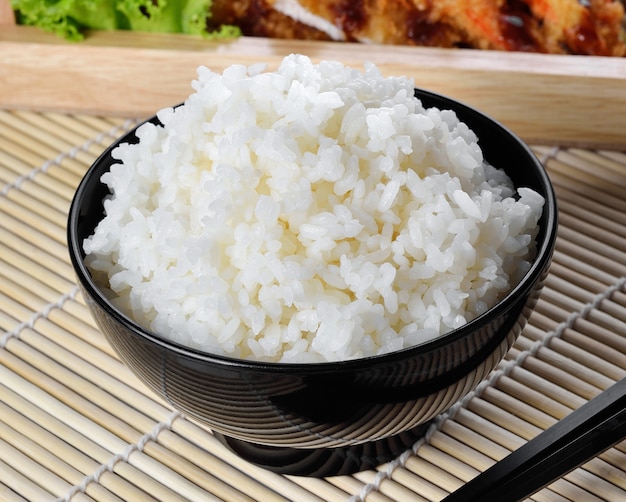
pixel 6 13
pixel 546 99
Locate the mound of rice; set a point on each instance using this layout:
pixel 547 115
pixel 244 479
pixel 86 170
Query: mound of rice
pixel 314 213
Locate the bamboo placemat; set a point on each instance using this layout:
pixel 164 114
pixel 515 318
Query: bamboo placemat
pixel 75 424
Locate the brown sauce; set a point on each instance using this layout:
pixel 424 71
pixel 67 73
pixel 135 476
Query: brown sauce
pixel 423 32
pixel 516 26
pixel 350 15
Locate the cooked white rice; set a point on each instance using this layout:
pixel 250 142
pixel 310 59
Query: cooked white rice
pixel 315 213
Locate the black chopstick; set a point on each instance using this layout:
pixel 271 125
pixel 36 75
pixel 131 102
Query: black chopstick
pixel 583 434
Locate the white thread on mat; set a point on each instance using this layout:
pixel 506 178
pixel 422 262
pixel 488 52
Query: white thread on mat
pixel 43 314
pixel 121 457
pixel 70 154
pixel 503 369
pixel 550 154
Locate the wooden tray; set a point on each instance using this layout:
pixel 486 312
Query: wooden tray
pixel 548 99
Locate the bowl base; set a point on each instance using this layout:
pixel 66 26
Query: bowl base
pixel 324 462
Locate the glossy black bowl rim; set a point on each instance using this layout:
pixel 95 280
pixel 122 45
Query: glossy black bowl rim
pixel 538 267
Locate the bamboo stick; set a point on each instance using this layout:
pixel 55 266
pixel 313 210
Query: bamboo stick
pixel 577 226
pixel 504 419
pixel 59 428
pixel 96 367
pixel 19 264
pixel 314 489
pixel 47 162
pixel 78 310
pixel 473 442
pixel 85 417
pixel 85 127
pixel 564 173
pixel 81 325
pixel 51 452
pixel 40 127
pixel 38 475
pixel 572 491
pixel 27 217
pixel 244 475
pixel 310 489
pixel 13 165
pixel 443 480
pixel 33 240
pixel 33 188
pixel 17 310
pixel 458 470
pixel 556 297
pixel 56 466
pixel 598 341
pixel 616 156
pixel 571 384
pixel 194 478
pixel 611 325
pixel 594 347
pixel 586 186
pixel 601 165
pixel 550 390
pixel 614 308
pixel 21 296
pixel 606 368
pixel 582 282
pixel 211 471
pixel 55 423
pixel 590 255
pixel 616 459
pixel 351 484
pixel 501 436
pixel 16 276
pixel 423 488
pixel 91 346
pixel 593 487
pixel 8 495
pixel 543 321
pixel 55 384
pixel 22 485
pixel 609 475
pixel 38 208
pixel 47 178
pixel 390 487
pixel 28 128
pixel 578 277
pixel 532 397
pixel 526 412
pixel 551 315
pixel 27 142
pixel 532 333
pixel 560 360
pixel 100 123
pixel 590 211
pixel 547 495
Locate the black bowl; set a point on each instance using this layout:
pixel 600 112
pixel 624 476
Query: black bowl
pixel 337 417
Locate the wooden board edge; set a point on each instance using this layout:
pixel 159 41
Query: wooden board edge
pixel 567 100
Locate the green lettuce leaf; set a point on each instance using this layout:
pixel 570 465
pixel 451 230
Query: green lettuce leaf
pixel 70 18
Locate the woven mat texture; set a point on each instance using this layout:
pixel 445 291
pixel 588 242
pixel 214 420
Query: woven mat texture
pixel 75 424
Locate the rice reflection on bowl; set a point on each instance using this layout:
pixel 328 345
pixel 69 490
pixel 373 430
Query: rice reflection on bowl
pixel 314 213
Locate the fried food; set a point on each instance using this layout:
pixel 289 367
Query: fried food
pixel 589 27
